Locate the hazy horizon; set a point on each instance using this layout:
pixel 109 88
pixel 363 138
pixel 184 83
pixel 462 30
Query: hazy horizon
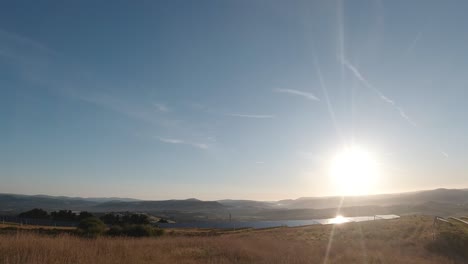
pixel 228 198
pixel 261 100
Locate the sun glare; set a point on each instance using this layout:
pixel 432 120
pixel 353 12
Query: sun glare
pixel 354 171
pixel 338 220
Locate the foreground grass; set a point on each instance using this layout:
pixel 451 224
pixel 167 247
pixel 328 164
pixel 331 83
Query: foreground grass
pixel 32 227
pixel 394 241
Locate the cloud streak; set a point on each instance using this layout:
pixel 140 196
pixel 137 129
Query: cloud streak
pixel 252 116
pixel 366 83
pixel 14 45
pixel 307 95
pixel 414 42
pixel 183 142
pixel 382 96
pixel 405 116
pixel 46 68
pixel 161 107
pixel 117 105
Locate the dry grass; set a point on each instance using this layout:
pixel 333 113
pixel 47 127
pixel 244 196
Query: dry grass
pixel 393 241
pixel 32 227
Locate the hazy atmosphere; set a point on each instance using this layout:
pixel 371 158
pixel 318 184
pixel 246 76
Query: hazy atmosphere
pixel 261 100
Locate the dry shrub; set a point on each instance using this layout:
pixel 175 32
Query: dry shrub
pixel 452 242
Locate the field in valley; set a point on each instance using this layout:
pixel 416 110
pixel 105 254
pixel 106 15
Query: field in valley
pixel 405 240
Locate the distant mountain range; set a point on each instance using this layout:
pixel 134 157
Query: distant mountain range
pixel 433 202
pixel 453 196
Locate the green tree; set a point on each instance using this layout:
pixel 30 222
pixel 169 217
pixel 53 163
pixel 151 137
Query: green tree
pixel 91 227
pixel 84 215
pixel 111 219
pixel 35 213
pixel 136 219
pixel 63 215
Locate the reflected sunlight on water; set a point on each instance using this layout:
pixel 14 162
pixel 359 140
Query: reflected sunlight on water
pixel 338 220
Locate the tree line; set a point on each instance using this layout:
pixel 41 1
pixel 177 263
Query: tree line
pixel 61 215
pixel 111 224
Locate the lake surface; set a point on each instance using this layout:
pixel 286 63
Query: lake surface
pixel 268 224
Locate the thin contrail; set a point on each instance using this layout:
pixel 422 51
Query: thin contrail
pixel 405 116
pixel 366 83
pixel 341 50
pixel 381 95
pixel 414 42
pixel 251 116
pixel 307 95
pixel 183 142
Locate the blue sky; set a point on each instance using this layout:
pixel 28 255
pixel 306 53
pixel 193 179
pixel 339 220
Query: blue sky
pixel 229 99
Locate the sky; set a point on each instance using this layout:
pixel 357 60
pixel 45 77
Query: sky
pixel 230 99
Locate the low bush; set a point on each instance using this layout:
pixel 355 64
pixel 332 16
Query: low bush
pixel 135 231
pixel 91 227
pixel 451 241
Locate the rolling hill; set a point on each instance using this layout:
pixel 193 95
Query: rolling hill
pixel 431 202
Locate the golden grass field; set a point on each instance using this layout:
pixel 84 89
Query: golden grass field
pixel 403 240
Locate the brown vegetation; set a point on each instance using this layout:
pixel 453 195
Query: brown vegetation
pixel 394 241
pixel 31 227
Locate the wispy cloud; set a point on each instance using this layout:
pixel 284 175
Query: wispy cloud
pixel 110 102
pixel 199 145
pixel 144 114
pixel 405 116
pixel 307 95
pixel 30 58
pixel 171 140
pixel 251 116
pixel 445 154
pixel 134 110
pixel 44 66
pixel 183 142
pixel 414 42
pixel 15 45
pixel 366 83
pixel 161 107
pixel 384 98
pixel 259 162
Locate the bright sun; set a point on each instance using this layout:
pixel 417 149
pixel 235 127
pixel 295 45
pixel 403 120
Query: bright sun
pixel 354 171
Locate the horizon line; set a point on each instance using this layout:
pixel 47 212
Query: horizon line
pixel 234 199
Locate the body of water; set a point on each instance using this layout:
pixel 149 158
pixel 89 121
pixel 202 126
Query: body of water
pixel 268 224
